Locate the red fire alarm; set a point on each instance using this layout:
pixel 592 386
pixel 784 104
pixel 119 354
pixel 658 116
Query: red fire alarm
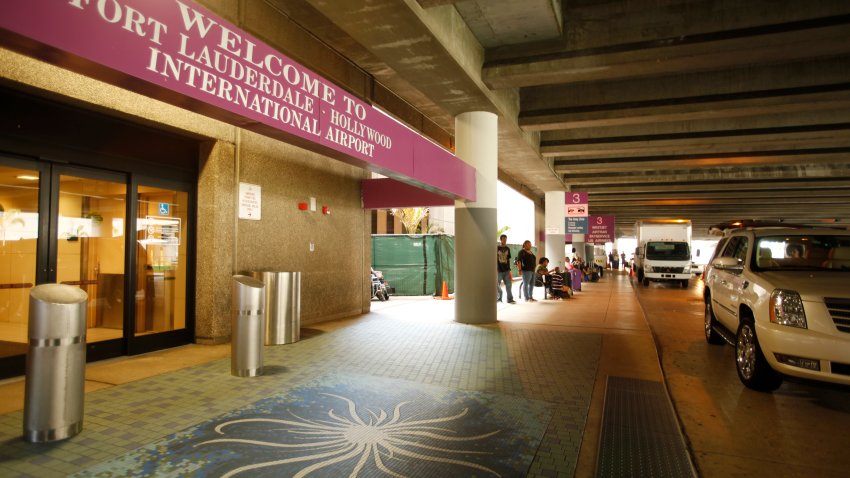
pixel 326 210
pixel 302 206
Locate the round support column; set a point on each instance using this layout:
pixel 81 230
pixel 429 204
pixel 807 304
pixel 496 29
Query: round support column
pixel 476 143
pixel 555 213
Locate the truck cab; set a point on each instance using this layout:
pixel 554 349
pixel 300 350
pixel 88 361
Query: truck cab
pixel 664 251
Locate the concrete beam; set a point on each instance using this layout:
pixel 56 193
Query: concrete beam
pixel 755 81
pixel 727 142
pixel 615 178
pixel 656 163
pixel 766 44
pixel 682 129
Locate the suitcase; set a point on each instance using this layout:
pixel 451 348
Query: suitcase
pixel 575 279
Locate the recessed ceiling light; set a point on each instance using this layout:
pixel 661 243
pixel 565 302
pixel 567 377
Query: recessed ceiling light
pixel 27 177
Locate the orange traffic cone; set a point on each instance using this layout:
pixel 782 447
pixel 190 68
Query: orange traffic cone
pixel 445 294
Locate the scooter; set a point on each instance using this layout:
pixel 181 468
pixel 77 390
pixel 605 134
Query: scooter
pixel 380 288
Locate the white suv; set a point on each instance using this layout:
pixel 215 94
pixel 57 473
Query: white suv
pixel 781 296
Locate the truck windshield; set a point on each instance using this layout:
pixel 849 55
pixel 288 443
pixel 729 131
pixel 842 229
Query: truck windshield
pixel 668 251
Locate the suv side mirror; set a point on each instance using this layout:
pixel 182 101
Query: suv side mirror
pixel 728 264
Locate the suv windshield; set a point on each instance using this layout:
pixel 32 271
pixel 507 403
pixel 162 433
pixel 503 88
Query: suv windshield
pixel 668 251
pixel 802 252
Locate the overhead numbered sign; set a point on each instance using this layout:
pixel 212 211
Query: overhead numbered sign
pixel 576 204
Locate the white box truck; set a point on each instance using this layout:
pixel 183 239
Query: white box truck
pixel 663 251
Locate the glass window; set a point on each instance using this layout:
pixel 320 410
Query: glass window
pixel 737 248
pixel 18 241
pixel 803 252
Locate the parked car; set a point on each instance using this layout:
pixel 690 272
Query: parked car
pixel 781 297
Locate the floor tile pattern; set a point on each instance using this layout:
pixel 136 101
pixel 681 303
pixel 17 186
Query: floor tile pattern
pixel 354 425
pixel 422 345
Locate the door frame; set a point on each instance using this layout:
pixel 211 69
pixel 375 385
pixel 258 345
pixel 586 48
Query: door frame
pixel 156 341
pixel 47 245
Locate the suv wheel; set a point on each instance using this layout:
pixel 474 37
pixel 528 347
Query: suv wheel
pixel 753 369
pixel 711 335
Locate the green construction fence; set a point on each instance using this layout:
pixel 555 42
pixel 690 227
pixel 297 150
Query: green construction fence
pixel 418 264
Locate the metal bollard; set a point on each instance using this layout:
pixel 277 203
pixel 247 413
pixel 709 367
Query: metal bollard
pixel 247 326
pixel 56 363
pixel 282 306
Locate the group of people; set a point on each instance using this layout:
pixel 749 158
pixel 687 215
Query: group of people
pixel 614 260
pixel 555 280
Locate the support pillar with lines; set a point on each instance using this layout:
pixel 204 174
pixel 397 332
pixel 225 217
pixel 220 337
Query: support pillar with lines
pixel 555 250
pixel 476 143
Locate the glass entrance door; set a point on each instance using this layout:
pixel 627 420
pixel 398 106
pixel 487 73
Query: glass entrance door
pixel 161 259
pixel 89 253
pixel 69 225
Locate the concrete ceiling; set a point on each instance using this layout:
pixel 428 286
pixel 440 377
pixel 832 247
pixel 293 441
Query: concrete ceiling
pixel 707 110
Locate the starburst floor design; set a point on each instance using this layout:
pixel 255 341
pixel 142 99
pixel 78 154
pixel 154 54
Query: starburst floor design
pixel 356 426
pixel 377 438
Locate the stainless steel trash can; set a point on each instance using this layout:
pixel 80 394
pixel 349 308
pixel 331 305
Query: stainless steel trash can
pixel 56 363
pixel 283 306
pixel 247 326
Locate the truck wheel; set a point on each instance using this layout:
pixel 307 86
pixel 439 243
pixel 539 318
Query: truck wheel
pixel 640 275
pixel 645 282
pixel 711 335
pixel 684 283
pixel 753 369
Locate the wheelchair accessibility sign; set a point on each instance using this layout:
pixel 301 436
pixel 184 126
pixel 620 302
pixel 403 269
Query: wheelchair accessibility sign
pixel 164 209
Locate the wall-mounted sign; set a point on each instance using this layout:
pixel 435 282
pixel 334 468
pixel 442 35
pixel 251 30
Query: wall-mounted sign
pixel 576 204
pixel 186 55
pixel 250 201
pixel 575 225
pixel 164 209
pixel 162 231
pixel 600 229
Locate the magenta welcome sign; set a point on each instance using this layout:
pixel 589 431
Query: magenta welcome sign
pixel 186 55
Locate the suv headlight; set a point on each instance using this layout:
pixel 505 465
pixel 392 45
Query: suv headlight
pixel 786 308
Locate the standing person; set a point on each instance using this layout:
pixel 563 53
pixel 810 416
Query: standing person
pixel 503 263
pixel 623 259
pixel 527 262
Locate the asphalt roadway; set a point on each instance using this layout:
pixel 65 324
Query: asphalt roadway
pixel 800 430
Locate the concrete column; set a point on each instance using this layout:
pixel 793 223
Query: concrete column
pixel 476 142
pixel 555 204
pixel 216 229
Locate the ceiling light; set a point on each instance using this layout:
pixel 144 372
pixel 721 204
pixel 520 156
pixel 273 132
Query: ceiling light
pixel 28 177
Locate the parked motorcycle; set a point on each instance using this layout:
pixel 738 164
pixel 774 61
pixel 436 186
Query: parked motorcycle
pixel 380 287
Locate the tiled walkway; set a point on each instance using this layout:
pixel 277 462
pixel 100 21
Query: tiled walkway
pixel 546 351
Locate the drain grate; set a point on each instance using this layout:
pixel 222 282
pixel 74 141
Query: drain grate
pixel 640 435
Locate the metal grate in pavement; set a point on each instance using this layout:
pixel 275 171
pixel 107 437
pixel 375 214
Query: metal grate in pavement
pixel 640 435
